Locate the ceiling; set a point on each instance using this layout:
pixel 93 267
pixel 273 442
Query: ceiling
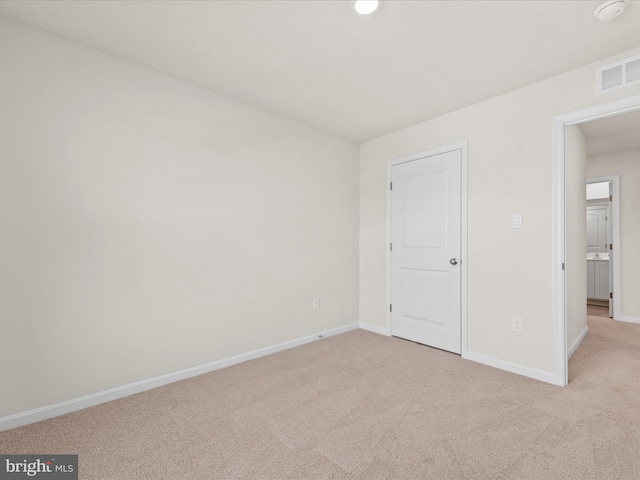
pixel 612 134
pixel 320 63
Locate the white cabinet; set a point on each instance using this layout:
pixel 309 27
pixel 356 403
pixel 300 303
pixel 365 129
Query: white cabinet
pixel 602 279
pixel 591 283
pixel 598 279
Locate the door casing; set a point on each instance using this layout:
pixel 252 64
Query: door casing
pixel 462 146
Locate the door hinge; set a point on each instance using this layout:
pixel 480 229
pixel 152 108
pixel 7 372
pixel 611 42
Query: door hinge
pixel 610 294
pixel 390 185
pixel 563 266
pixel 611 198
pixel 611 246
pixel 391 247
pixel 390 308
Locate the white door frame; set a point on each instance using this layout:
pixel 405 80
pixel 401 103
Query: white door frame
pixel 462 146
pixel 615 237
pixel 629 104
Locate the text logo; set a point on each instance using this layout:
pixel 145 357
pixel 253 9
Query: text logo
pixel 46 467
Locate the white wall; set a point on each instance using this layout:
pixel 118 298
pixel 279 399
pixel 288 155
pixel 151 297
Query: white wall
pixel 510 171
pixel 148 225
pixel 627 165
pixel 575 234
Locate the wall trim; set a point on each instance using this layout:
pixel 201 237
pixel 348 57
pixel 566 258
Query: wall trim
pixel 374 329
pixel 576 343
pixel 547 377
pixel 79 403
pixel 624 318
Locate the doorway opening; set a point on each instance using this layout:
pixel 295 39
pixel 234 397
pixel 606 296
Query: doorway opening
pixel 565 199
pixel 603 232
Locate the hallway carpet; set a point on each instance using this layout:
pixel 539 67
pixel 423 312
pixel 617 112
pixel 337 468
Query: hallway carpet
pixel 365 406
pixel 597 311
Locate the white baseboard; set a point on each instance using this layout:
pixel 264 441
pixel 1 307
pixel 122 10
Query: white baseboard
pixel 79 403
pixel 492 362
pixel 513 368
pixel 576 343
pixel 624 319
pixel 374 329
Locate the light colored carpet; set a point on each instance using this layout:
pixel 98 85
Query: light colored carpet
pixel 597 311
pixel 365 406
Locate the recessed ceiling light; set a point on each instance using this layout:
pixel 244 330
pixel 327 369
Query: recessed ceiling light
pixel 365 7
pixel 610 9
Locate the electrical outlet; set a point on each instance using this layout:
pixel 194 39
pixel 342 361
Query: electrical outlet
pixel 316 304
pixel 516 324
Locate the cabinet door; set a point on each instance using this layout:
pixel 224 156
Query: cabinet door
pixel 602 280
pixel 591 291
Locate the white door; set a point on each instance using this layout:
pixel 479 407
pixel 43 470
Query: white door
pixel 425 250
pixel 610 247
pixel 597 228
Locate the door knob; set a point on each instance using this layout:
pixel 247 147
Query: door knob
pixel 453 261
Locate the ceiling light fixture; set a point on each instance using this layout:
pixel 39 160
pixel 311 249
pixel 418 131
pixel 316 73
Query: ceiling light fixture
pixel 610 9
pixel 365 7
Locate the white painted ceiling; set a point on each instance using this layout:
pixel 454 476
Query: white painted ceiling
pixel 322 64
pixel 612 134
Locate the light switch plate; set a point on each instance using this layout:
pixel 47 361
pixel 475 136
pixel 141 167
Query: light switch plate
pixel 516 220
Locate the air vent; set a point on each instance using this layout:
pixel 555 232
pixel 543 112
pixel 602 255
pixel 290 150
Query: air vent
pixel 633 71
pixel 618 75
